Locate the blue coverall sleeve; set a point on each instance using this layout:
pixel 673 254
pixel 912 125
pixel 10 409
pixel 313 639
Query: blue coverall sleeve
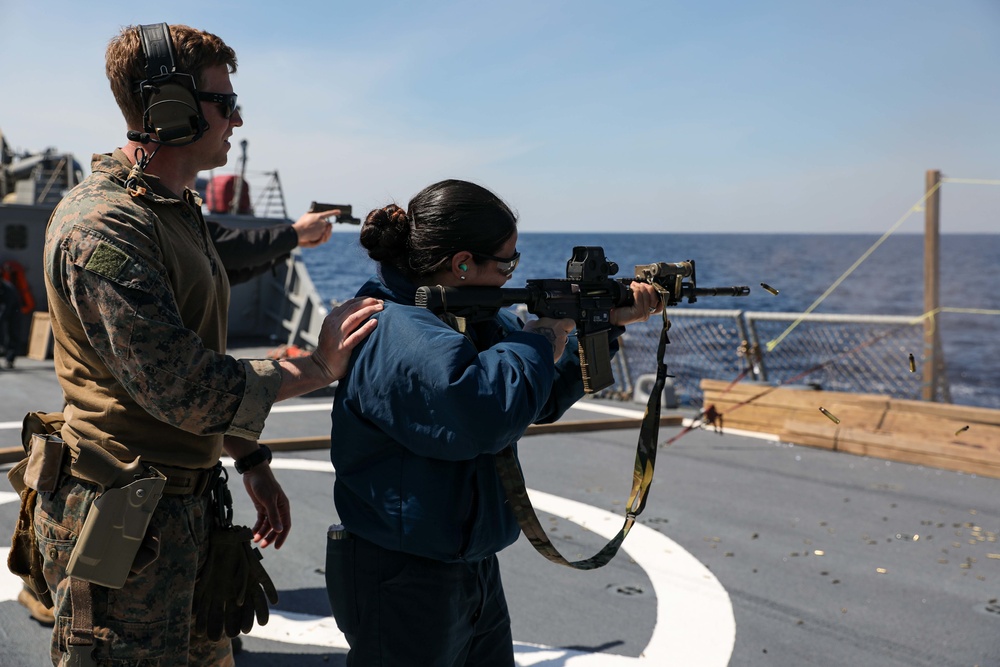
pixel 427 387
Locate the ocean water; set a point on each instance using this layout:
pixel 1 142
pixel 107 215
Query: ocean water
pixel 801 266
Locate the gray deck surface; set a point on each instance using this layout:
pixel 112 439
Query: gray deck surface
pixel 814 557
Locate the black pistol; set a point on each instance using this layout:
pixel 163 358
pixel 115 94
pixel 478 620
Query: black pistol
pixel 345 212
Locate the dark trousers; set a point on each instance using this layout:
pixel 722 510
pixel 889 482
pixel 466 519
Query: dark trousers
pixel 10 332
pixel 399 610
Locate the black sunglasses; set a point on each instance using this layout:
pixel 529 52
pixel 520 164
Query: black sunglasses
pixel 505 265
pixel 226 100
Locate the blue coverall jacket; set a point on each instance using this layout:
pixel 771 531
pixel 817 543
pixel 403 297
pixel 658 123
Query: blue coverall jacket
pixel 421 413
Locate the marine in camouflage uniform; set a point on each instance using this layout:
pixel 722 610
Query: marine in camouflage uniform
pixel 138 300
pixel 138 345
pixel 245 253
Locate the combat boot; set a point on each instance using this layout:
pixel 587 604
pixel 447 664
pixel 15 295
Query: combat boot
pixel 38 611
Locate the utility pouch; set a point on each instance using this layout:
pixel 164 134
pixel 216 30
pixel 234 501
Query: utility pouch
pixel 40 422
pixel 24 559
pixel 41 468
pixel 16 476
pixel 46 456
pixel 113 531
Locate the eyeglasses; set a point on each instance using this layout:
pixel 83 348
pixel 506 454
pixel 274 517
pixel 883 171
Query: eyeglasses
pixel 226 100
pixel 505 265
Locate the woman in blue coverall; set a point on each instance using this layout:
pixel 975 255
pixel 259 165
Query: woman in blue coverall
pixel 413 578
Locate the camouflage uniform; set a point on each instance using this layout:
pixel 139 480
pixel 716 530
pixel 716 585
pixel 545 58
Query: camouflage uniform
pixel 148 621
pixel 138 302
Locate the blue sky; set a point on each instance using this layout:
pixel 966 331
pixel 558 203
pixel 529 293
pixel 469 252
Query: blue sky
pixel 697 116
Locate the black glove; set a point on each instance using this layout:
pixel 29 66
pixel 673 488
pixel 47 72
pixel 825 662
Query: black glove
pixel 233 587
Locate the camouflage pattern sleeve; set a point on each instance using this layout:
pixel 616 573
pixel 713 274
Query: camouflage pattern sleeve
pixel 110 270
pixel 257 400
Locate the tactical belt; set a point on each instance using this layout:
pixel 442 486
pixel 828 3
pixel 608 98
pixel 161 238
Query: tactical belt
pixel 95 464
pixel 642 477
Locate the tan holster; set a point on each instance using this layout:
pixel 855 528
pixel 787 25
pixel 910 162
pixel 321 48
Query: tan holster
pixel 114 540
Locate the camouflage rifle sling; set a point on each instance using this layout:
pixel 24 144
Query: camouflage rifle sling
pixel 642 478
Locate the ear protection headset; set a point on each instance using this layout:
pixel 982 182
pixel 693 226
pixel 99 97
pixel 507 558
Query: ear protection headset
pixel 172 114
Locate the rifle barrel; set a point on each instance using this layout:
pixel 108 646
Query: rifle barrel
pixel 735 290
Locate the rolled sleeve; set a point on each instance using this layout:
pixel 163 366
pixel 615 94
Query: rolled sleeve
pixel 263 381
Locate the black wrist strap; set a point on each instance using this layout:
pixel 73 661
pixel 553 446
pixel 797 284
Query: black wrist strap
pixel 253 459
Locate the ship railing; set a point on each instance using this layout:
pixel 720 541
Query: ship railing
pixel 853 353
pixel 40 179
pixel 294 308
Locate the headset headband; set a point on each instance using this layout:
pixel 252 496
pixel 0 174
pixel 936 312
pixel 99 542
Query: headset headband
pixel 159 50
pixel 171 111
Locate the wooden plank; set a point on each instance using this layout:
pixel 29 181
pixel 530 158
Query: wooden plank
pixel 758 394
pixel 785 397
pixel 963 413
pixel 810 433
pixel 770 411
pixel 577 426
pixel 869 414
pixel 918 432
pixel 755 417
pixel 943 428
pixel 930 446
pixel 15 454
pixel 297 444
pixel 11 454
pixel 588 425
pixel 892 447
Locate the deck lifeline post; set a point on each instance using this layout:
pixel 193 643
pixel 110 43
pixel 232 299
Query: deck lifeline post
pixel 933 353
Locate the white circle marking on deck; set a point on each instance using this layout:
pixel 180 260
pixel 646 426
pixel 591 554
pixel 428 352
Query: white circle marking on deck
pixel 694 617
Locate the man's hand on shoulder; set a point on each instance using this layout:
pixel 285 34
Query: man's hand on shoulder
pixel 343 329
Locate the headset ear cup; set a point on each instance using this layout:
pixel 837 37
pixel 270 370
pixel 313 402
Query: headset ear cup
pixel 173 114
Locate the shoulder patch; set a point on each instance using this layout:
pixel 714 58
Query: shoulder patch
pixel 107 261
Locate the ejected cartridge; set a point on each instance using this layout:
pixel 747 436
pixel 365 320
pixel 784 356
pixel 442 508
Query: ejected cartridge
pixel 830 415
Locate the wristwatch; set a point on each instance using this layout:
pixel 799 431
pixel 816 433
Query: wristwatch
pixel 253 459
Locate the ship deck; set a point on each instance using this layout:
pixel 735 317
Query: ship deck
pixel 750 551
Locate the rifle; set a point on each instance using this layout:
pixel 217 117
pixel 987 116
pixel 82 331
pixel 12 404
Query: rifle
pixel 586 295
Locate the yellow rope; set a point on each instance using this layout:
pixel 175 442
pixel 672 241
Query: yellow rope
pixel 972 181
pixel 947 309
pixel 920 202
